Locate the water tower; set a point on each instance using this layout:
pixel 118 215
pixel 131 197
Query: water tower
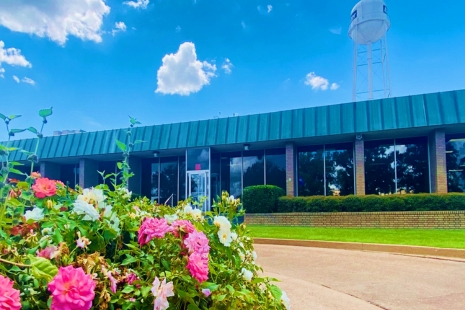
pixel 369 25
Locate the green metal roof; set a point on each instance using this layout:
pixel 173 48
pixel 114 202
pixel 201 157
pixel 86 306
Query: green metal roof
pixel 357 117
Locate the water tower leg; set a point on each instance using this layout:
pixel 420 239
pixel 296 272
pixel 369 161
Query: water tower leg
pixel 354 85
pixel 370 71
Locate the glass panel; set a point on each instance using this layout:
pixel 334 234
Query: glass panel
pixel 412 165
pixel 339 161
pixel 168 180
pixel 231 170
pixel 198 188
pixel 276 167
pixel 154 190
pixel 253 167
pixel 69 174
pixel 379 167
pixel 215 175
pixel 198 159
pixel 310 171
pixel 455 158
pixel 182 178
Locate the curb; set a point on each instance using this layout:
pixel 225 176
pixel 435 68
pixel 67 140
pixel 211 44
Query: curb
pixel 374 247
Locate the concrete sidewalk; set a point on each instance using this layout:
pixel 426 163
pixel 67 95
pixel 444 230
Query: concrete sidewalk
pixel 316 278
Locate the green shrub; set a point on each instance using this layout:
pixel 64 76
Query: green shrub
pixel 372 203
pixel 261 198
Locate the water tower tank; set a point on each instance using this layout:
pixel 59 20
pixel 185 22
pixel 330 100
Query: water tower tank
pixel 369 21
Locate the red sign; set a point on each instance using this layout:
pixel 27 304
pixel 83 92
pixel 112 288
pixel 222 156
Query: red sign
pixel 197 167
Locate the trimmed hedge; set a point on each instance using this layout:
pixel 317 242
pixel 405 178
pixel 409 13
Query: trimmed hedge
pixel 261 198
pixel 373 203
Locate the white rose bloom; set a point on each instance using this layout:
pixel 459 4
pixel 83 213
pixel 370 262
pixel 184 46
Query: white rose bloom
pixel 47 231
pixel 93 196
pixel 225 237
pixel 286 301
pixel 112 218
pixel 125 193
pixel 242 256
pixel 81 207
pixel 247 274
pixel 187 209
pixel 234 236
pixel 197 214
pixel 254 255
pixel 222 223
pixel 171 218
pixel 37 214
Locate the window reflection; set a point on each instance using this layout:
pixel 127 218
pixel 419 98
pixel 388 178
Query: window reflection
pixel 455 159
pixel 311 171
pixel 198 159
pixel 154 190
pixel 253 167
pixel 379 167
pixel 168 180
pixel 339 167
pixel 275 173
pixel 231 173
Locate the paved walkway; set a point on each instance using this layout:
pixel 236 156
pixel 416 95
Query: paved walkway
pixel 328 279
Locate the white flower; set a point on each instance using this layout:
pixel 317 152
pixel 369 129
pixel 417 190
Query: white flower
pixel 247 274
pixel 286 301
pixel 92 196
pixel 197 214
pixel 234 236
pixel 254 255
pixel 187 209
pixel 242 256
pixel 222 223
pixel 125 193
pixel 171 218
pixel 47 231
pixel 225 237
pixel 81 207
pixel 111 218
pixel 37 214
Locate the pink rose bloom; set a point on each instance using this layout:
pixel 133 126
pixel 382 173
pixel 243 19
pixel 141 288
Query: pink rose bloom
pixel 197 242
pixel 72 289
pixel 206 292
pixel 9 297
pixel 152 228
pixel 182 225
pixel 44 187
pixel 113 282
pixel 162 291
pixel 49 252
pixel 131 278
pixel 198 266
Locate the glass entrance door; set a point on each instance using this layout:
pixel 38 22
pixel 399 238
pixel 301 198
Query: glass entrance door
pixel 197 189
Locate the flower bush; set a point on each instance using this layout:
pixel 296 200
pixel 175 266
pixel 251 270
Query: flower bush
pixel 98 248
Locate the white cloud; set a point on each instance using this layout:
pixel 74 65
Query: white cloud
pixel 336 30
pixel 182 73
pixel 178 29
pixel 243 25
pixel 28 81
pixel 12 56
pixel 227 66
pixel 139 4
pixel 16 78
pixel 269 7
pixel 55 19
pixel 319 82
pixel 119 27
pixel 1 72
pixel 264 10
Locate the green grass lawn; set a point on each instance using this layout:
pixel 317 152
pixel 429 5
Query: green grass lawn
pixel 422 237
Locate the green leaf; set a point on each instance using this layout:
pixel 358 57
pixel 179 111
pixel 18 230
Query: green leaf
pixel 165 264
pixel 42 268
pixel 276 292
pixel 192 307
pixel 57 237
pixel 121 145
pixel 33 130
pixel 45 112
pixel 145 290
pixel 128 289
pixel 16 171
pixel 120 165
pixel 15 163
pixel 3 117
pixel 133 121
pixel 13 116
pixel 129 260
pixel 139 141
pixel 17 130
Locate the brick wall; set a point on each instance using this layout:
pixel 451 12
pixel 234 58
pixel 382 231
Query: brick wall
pixel 359 167
pixel 412 219
pixel 290 169
pixel 438 169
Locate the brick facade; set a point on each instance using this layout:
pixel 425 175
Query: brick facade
pixel 438 169
pixel 409 219
pixel 88 175
pixel 290 170
pixel 359 167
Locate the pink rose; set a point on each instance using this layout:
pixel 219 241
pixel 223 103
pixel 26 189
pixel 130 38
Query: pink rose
pixel 161 292
pixel 49 252
pixel 197 242
pixel 9 297
pixel 72 288
pixel 152 228
pixel 184 226
pixel 44 187
pixel 198 266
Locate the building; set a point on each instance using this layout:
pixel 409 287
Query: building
pixel 413 144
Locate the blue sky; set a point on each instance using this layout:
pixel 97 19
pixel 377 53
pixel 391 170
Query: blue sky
pixel 98 61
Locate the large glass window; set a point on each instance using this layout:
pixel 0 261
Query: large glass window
pixel 231 173
pixel 198 159
pixel 69 174
pixel 455 158
pixel 275 173
pixel 215 176
pixel 311 178
pixel 396 166
pixel 155 181
pixel 182 178
pixel 254 168
pixel 339 169
pixel 169 180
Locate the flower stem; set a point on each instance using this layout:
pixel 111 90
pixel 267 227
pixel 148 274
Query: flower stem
pixel 13 263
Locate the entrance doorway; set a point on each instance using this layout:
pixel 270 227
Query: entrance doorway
pixel 198 184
